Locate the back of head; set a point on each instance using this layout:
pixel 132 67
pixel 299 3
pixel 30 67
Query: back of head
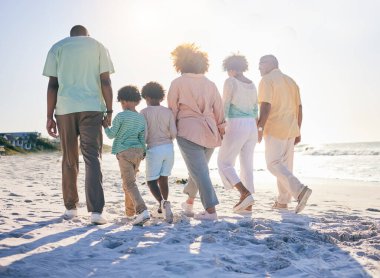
pixel 235 62
pixel 78 30
pixel 188 58
pixel 153 90
pixel 129 93
pixel 271 59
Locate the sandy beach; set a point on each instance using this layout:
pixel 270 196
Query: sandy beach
pixel 337 235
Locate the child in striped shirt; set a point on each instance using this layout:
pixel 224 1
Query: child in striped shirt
pixel 128 129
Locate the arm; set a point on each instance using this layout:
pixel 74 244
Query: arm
pixel 106 87
pixel 112 131
pixel 52 91
pixel 264 114
pixel 172 99
pixel 172 127
pixel 142 135
pixel 218 111
pixel 298 139
pixel 227 97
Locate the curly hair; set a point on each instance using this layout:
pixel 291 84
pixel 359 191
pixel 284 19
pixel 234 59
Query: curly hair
pixel 235 62
pixel 129 93
pixel 153 90
pixel 188 58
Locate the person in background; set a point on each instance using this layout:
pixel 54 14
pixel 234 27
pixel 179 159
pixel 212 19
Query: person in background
pixel 198 110
pixel 160 152
pixel 79 93
pixel 280 123
pixel 240 109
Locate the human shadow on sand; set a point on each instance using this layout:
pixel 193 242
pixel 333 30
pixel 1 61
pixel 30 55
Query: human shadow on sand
pixel 229 247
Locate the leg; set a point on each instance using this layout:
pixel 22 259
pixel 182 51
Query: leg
pixel 91 142
pixel 232 143
pixel 246 157
pixel 164 186
pixel 155 190
pixel 153 164
pixel 129 161
pixel 288 184
pixel 166 168
pixel 191 189
pixel 129 205
pixel 195 157
pixel 273 156
pixel 68 132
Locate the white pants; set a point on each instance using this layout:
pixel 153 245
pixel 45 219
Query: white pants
pixel 279 158
pixel 240 140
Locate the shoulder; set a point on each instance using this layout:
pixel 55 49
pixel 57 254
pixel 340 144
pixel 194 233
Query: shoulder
pixel 166 111
pixel 177 80
pixel 56 46
pixel 287 77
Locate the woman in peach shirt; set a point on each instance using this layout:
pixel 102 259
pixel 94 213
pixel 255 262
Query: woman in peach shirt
pixel 198 109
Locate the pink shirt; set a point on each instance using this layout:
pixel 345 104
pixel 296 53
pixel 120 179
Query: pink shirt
pixel 198 109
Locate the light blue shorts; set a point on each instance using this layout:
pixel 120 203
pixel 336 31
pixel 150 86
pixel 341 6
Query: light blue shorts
pixel 159 161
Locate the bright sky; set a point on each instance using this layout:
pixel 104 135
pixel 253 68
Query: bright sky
pixel 331 49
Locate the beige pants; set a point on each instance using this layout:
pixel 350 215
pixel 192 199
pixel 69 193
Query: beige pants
pixel 279 158
pixel 88 127
pixel 129 162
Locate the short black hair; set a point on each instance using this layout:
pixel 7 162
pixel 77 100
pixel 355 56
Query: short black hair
pixel 235 62
pixel 129 93
pixel 153 90
pixel 78 30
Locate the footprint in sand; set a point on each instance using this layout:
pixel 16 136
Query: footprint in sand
pixel 14 195
pixel 112 244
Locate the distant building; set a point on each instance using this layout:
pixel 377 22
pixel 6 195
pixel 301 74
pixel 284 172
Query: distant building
pixel 25 140
pixel 2 150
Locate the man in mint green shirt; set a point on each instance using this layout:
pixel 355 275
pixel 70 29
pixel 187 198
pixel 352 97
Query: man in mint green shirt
pixel 79 93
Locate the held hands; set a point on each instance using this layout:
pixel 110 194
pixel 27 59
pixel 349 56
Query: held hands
pixel 51 127
pixel 107 120
pixel 260 136
pixel 222 131
pixel 297 140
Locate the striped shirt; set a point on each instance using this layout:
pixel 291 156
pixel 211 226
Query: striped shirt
pixel 128 129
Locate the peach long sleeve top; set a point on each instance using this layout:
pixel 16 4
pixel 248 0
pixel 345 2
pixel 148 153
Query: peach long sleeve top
pixel 198 109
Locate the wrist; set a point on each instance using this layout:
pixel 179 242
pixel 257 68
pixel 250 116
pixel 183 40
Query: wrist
pixel 109 111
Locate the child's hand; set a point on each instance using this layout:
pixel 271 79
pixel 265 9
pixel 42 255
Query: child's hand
pixel 105 123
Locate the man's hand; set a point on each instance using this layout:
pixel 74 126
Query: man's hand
pixel 297 140
pixel 260 136
pixel 51 128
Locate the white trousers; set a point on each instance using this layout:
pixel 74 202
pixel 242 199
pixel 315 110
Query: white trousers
pixel 279 158
pixel 239 140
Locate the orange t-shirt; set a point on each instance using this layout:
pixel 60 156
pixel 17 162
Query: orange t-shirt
pixel 283 94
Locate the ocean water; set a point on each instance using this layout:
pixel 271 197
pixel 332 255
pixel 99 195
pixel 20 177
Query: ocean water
pixel 348 161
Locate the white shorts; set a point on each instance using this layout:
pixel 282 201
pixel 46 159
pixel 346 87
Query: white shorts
pixel 159 161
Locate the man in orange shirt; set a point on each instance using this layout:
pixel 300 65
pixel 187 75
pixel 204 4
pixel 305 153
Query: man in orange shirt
pixel 279 123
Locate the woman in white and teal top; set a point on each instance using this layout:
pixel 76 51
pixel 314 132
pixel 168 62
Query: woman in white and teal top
pixel 240 104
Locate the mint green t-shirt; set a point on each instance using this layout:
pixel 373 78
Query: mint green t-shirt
pixel 77 62
pixel 128 129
